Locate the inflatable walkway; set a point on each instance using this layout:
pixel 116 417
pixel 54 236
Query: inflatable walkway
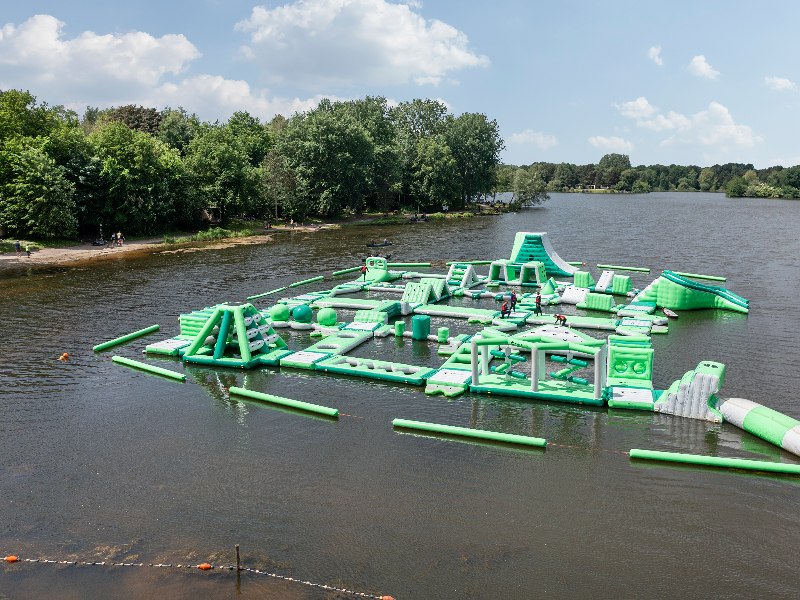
pixel 530 247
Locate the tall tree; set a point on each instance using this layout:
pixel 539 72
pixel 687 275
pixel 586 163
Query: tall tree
pixel 476 144
pixel 435 168
pixel 529 186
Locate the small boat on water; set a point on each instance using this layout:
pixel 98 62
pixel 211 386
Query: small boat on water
pixel 381 245
pixel 670 313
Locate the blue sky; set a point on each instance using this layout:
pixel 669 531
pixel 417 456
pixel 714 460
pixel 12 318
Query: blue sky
pixel 679 82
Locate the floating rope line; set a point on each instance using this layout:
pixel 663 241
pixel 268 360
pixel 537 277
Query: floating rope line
pixel 202 566
pixel 590 449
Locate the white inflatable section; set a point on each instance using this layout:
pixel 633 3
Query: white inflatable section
pixel 791 441
pixel 606 282
pixel 548 247
pixel 574 295
pixel 692 399
pixel 734 410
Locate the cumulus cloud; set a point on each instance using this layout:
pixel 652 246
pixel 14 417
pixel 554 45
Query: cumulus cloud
pixel 701 68
pixel 529 136
pixel 341 42
pixel 636 109
pixel 673 120
pixel 616 144
pixel 779 83
pixel 655 55
pixel 36 52
pixel 212 95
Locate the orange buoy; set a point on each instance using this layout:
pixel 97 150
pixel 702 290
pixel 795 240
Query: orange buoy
pixel 204 566
pixel 386 598
pixel 65 355
pixel 11 559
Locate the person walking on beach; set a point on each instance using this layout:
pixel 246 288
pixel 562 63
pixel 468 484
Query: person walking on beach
pixel 119 238
pixel 113 239
pixel 28 248
pixel 18 248
pixel 538 310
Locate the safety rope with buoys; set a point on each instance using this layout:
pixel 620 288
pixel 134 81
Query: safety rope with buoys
pixel 202 567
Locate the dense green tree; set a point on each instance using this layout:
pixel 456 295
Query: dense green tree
pixel 138 118
pixel 529 186
pixel 706 179
pixel 142 177
pixel 626 180
pixel 254 137
pixel 331 155
pixel 736 188
pixel 614 161
pixel 435 183
pixel 476 144
pixel 178 128
pixel 640 187
pixel 38 201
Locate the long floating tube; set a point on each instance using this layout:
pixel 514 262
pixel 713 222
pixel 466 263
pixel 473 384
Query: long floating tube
pixel 471 262
pixel 267 293
pixel 576 262
pixel 495 436
pixel 343 271
pixel 323 410
pixel 618 268
pixel 713 461
pixel 312 280
pixel 408 264
pixel 696 276
pixel 145 367
pixel 125 338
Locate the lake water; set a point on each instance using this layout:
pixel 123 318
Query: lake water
pixel 101 462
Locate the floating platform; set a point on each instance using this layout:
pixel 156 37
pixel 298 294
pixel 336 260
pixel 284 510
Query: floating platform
pixel 375 369
pixel 559 391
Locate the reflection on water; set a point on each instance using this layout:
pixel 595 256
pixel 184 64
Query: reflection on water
pixel 104 461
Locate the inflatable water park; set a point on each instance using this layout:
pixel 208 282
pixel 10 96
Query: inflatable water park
pixel 519 345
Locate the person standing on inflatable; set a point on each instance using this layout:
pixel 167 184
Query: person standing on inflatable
pixel 538 310
pixel 364 272
pixel 513 300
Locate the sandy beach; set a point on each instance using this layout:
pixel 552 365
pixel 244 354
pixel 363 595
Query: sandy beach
pixel 70 255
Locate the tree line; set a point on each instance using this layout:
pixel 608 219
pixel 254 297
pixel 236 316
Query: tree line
pixel 615 172
pixel 146 171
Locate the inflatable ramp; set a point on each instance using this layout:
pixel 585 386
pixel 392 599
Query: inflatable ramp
pixel 530 247
pixel 679 293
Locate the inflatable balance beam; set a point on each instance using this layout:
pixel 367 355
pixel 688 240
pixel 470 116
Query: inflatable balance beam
pixel 125 338
pixel 494 436
pixel 316 408
pixel 713 461
pixel 149 368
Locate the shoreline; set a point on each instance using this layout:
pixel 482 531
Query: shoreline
pixel 86 253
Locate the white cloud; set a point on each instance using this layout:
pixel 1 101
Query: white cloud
pixel 673 120
pixel 611 143
pixel 636 109
pixel 655 55
pixel 779 83
pixel 335 42
pixel 36 52
pixel 212 95
pixel 712 127
pixel 701 68
pixel 529 136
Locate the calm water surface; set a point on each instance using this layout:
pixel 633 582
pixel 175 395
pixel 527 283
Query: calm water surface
pixel 103 461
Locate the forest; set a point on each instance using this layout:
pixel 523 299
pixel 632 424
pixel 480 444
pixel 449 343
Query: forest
pixel 146 171
pixel 615 172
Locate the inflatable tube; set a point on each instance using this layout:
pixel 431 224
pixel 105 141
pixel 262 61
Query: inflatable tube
pixel 408 264
pixel 343 271
pixel 618 268
pixel 323 410
pixel 312 280
pixel 763 422
pixel 150 368
pixel 695 276
pixel 125 338
pixel 495 436
pixel 713 461
pixel 267 293
pixel 470 262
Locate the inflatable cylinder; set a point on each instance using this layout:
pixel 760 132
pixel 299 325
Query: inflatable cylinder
pixel 399 328
pixel 150 368
pixel 713 461
pixel 323 410
pixel 443 333
pixel 420 327
pixel 125 338
pixel 494 436
pixel 763 422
